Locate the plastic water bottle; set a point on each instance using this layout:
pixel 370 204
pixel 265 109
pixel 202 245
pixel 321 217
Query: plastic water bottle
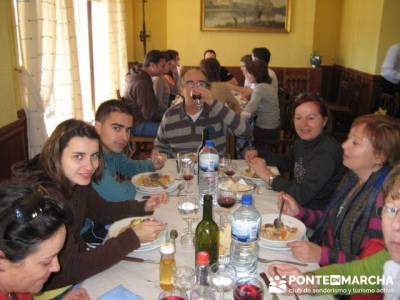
pixel 208 172
pixel 246 222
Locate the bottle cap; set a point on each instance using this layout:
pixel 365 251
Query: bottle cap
pixel 247 199
pixel 167 248
pixel 210 143
pixel 202 258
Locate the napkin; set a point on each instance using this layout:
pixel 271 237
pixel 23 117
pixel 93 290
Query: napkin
pixel 120 292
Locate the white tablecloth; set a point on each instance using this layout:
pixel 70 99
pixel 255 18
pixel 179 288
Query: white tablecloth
pixel 143 278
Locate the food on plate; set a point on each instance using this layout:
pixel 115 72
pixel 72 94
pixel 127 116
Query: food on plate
pixel 249 172
pixel 133 223
pixel 145 180
pixel 270 232
pixel 235 186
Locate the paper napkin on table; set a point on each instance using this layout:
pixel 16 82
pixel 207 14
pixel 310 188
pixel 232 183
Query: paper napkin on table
pixel 120 292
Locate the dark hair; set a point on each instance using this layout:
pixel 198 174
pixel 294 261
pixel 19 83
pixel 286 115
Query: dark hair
pixel 135 67
pixel 209 51
pixel 262 53
pixel 27 218
pixel 173 53
pixel 211 68
pixel 246 59
pixel 384 135
pixel 317 100
pixel 153 56
pixel 109 106
pixel 259 70
pixel 47 166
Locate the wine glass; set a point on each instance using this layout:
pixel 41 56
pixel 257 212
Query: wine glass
pixel 248 288
pixel 188 208
pixel 184 278
pixel 229 168
pixel 187 172
pixel 184 157
pixel 222 278
pixel 223 162
pixel 172 295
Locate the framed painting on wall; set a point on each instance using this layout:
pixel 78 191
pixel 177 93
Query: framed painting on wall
pixel 245 15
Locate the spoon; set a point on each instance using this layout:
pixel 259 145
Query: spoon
pixel 180 187
pixel 277 222
pixel 173 234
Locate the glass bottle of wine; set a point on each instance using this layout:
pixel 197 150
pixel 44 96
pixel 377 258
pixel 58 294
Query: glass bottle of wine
pixel 207 232
pixel 204 138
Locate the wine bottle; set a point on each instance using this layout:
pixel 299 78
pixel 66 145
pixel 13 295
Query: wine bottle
pixel 204 138
pixel 207 232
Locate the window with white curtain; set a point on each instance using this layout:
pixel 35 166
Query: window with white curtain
pixel 73 57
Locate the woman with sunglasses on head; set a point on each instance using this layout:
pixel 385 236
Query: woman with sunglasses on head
pixel 386 262
pixel 345 229
pixel 69 161
pixel 314 161
pixel 32 233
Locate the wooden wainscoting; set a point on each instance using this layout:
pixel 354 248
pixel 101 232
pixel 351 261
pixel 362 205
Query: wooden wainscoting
pixel 13 144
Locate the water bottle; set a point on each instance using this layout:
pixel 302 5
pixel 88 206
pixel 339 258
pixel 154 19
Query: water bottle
pixel 246 222
pixel 208 172
pixel 202 291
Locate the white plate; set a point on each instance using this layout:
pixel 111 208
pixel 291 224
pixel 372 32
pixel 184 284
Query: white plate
pixel 147 189
pixel 287 220
pixel 170 189
pixel 116 227
pixel 257 180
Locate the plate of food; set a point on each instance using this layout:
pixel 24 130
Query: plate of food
pixel 249 173
pixel 153 182
pixel 271 237
pixel 124 224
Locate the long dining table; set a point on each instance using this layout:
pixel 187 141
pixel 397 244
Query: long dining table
pixel 143 278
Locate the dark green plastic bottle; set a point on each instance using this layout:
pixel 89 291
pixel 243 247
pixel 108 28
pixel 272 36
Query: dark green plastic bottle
pixel 207 232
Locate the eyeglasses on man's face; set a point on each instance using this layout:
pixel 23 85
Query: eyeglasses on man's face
pixel 198 83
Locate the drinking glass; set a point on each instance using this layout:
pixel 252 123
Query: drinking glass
pixel 224 236
pixel 184 157
pixel 187 172
pixel 222 278
pixel 172 295
pixel 188 208
pixel 224 161
pixel 184 278
pixel 248 288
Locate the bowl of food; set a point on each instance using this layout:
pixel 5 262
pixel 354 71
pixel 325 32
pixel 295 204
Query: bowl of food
pixel 236 185
pixel 272 237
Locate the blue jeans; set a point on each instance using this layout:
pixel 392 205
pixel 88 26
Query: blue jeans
pixel 146 128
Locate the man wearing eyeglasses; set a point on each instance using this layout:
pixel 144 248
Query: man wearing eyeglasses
pixel 182 125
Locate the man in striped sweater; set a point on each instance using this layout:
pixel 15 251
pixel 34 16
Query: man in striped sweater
pixel 182 124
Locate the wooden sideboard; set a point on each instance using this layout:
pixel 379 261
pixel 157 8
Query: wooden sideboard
pixel 13 144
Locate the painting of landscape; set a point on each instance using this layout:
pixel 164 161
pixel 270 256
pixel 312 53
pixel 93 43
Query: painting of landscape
pixel 245 15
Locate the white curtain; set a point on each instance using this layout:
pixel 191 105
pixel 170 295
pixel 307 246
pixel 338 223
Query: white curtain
pixel 49 79
pixel 109 44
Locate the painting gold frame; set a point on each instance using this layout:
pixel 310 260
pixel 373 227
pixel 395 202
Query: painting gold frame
pixel 246 15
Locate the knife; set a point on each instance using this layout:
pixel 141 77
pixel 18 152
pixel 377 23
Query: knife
pixel 266 261
pixel 267 283
pixel 140 260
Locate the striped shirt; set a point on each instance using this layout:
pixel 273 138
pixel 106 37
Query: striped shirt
pixel 329 253
pixel 178 132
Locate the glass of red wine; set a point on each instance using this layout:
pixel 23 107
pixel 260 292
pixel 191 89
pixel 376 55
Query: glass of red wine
pixel 196 99
pixel 187 172
pixel 248 288
pixel 172 295
pixel 226 198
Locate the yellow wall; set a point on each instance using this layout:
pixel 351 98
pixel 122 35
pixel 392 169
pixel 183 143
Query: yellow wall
pixel 287 49
pixel 8 111
pixel 390 32
pixel 155 26
pixel 130 29
pixel 326 29
pixel 359 34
